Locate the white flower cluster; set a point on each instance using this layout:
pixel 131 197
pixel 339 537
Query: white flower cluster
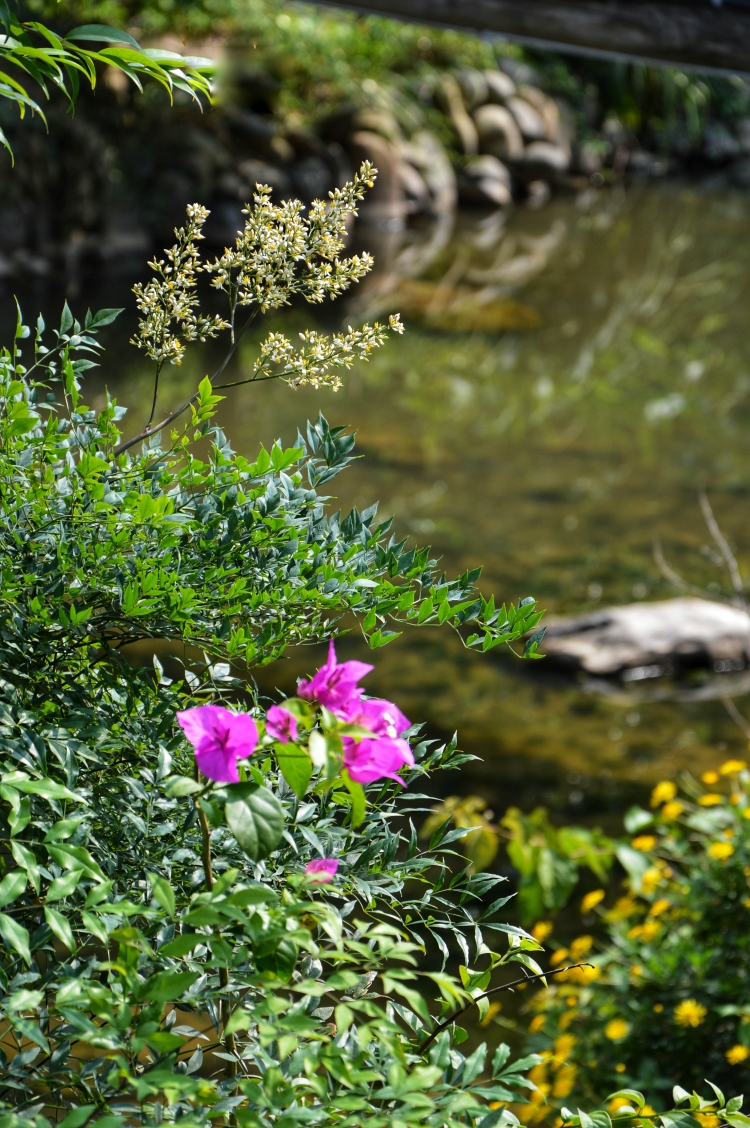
pixel 279 252
pixel 310 363
pixel 171 299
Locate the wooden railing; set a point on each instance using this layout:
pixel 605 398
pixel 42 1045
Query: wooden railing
pixel 703 34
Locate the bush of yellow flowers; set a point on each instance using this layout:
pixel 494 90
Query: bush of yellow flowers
pixel 665 999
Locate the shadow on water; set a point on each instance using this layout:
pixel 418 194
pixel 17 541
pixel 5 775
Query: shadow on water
pixel 570 379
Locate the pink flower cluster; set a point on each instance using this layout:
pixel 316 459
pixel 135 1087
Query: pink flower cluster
pixel 221 738
pixel 335 685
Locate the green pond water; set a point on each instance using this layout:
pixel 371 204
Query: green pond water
pixel 553 454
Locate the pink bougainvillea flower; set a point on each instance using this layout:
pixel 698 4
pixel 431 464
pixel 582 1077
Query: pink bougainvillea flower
pixel 378 716
pixel 220 739
pixel 375 757
pixel 280 724
pixel 335 684
pixel 321 870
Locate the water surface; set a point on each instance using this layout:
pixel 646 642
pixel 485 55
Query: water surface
pixel 554 454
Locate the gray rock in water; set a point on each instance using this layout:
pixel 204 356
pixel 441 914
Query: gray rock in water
pixel 499 135
pixel 543 161
pixel 672 632
pixel 485 181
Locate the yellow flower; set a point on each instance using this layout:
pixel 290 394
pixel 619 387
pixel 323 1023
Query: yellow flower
pixel 732 767
pixel 659 907
pixel 647 1110
pixel 580 947
pixel 658 1008
pixel 710 777
pixel 650 929
pixel 618 1102
pixel 541 930
pixel 592 899
pixel 689 1013
pixel 663 792
pixel 564 1082
pixel 635 932
pixel 558 957
pixel 644 842
pixel 563 1045
pixel 710 799
pixel 571 1000
pixel 737 1054
pixel 493 1009
pixel 536 1024
pixel 616 1029
pixel 728 832
pixel 620 1067
pixel 651 878
pixel 636 970
pixel 584 975
pixel 672 810
pixel 720 850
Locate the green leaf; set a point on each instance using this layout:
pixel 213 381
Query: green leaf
pixel 181 945
pixel 100 33
pixel 167 986
pixel 64 886
pixel 163 893
pixel 12 886
pixel 16 936
pixel 359 801
pixel 27 860
pixel 60 927
pixel 77 1116
pixel 177 786
pixel 296 767
pixel 255 818
pixel 103 317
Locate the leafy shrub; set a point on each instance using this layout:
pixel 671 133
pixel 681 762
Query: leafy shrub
pixel 168 953
pixel 665 1000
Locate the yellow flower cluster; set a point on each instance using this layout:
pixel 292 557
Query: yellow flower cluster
pixel 644 842
pixel 737 1054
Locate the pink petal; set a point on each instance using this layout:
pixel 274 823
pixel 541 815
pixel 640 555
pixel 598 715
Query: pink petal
pixel 215 764
pixel 376 758
pixel 321 870
pixel 380 716
pixel 280 724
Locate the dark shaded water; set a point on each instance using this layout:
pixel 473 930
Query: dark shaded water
pixel 553 455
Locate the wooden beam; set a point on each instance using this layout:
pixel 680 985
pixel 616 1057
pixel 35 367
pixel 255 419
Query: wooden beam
pixel 708 35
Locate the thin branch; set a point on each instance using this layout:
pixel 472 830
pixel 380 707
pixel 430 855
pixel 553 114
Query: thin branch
pixel 188 403
pixel 493 991
pixel 159 367
pixel 676 579
pixel 736 716
pixel 728 556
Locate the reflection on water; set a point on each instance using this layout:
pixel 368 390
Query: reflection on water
pixel 554 453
